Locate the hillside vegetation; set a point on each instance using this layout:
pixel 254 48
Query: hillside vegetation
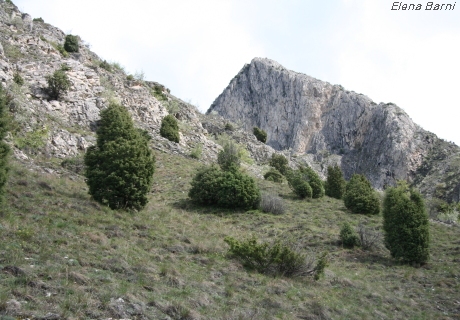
pixel 64 256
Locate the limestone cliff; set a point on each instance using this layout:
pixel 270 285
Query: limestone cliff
pixel 313 117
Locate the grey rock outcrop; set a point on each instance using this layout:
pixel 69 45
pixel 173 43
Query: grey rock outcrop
pixel 313 118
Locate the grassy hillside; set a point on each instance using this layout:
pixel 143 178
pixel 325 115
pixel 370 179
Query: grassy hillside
pixel 63 256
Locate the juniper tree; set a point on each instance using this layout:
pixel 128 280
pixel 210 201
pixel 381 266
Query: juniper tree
pixel 169 128
pixel 4 149
pixel 120 167
pixel 335 183
pixel 360 197
pixel 405 224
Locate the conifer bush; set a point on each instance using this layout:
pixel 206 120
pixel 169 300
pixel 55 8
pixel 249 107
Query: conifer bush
pixel 405 224
pixel 4 148
pixel 170 128
pixel 335 183
pixel 58 84
pixel 297 181
pixel 119 168
pixel 276 258
pixel 260 134
pixel 360 197
pixel 227 189
pixel 280 163
pixel 348 236
pixel 314 181
pixel 273 175
pixel 71 43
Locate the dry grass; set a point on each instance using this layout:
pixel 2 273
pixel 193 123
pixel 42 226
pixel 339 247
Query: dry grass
pixel 63 254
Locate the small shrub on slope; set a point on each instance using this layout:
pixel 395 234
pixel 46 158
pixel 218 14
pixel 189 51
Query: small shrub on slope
pixel 260 134
pixel 276 258
pixel 360 197
pixel 280 163
pixel 58 84
pixel 348 236
pixel 228 189
pixel 405 224
pixel 298 183
pixel 170 128
pixel 71 43
pixel 335 183
pixel 273 175
pixel 314 181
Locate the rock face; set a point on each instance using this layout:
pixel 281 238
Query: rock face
pixel 309 116
pixel 63 129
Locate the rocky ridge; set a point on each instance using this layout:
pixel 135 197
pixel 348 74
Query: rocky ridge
pixel 50 131
pixel 314 120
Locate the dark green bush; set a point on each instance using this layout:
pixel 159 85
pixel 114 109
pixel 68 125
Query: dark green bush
pixel 170 128
pixel 71 43
pixel 58 84
pixel 405 224
pixel 4 148
pixel 130 77
pixel 229 157
pixel 228 189
pixel 276 258
pixel 273 175
pixel 119 168
pixel 38 20
pixel 335 183
pixel 360 197
pixel 260 134
pixel 297 181
pixel 280 163
pixel 314 181
pixel 348 236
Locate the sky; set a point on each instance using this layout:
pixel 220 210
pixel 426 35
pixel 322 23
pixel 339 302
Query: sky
pixel 194 48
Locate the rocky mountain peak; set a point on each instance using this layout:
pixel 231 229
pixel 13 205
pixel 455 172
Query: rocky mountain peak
pixel 313 118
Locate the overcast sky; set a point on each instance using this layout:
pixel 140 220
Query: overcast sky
pixel 195 47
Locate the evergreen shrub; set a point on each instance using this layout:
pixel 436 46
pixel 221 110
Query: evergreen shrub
pixel 260 134
pixel 228 189
pixel 335 183
pixel 170 128
pixel 58 84
pixel 71 43
pixel 314 181
pixel 119 168
pixel 297 181
pixel 273 175
pixel 348 236
pixel 405 224
pixel 276 258
pixel 280 163
pixel 360 197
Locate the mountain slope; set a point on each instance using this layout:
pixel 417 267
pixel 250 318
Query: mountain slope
pixel 309 116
